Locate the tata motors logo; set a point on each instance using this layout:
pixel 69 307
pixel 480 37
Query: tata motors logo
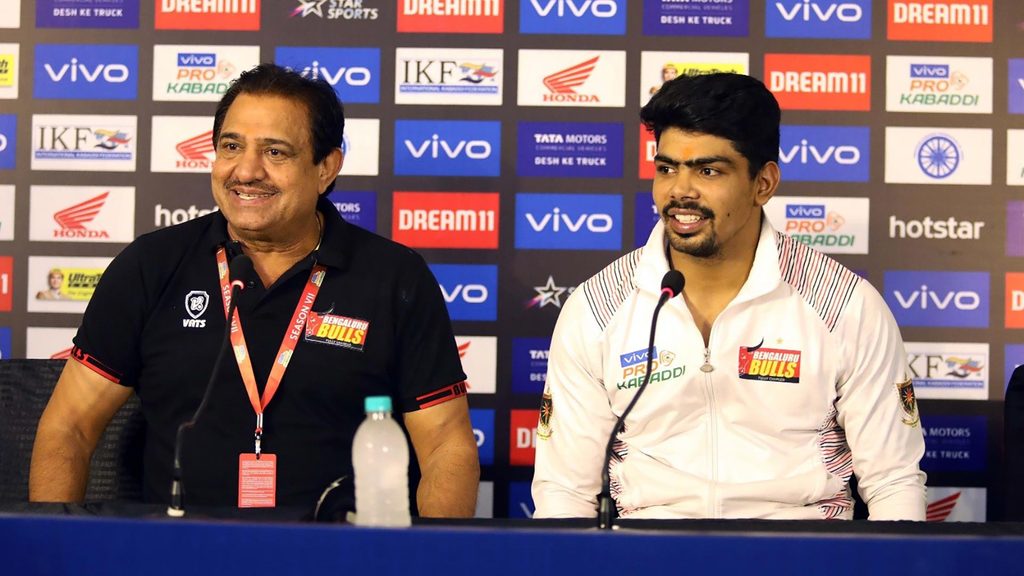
pixel 465 76
pixel 93 143
pixel 479 356
pixel 937 84
pixel 572 78
pixel 954 443
pixel 462 17
pixel 336 9
pixel 819 81
pixel 84 13
pixel 86 71
pixel 818 19
pixel 825 153
pixel 356 207
pixel 182 144
pixel 832 225
pixel 940 20
pixel 949 370
pixel 8 140
pixel 207 15
pixel 568 221
pixel 82 214
pixel 469 290
pixel 354 72
pixel 529 365
pixel 604 17
pixel 447 148
pixel 938 155
pixel 198 73
pixel 570 150
pixel 445 219
pixel 924 298
pixel 674 18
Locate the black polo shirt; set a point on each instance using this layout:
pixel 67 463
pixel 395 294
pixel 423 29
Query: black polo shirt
pixel 139 331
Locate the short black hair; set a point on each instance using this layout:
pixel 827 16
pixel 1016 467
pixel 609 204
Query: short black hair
pixel 736 107
pixel 324 108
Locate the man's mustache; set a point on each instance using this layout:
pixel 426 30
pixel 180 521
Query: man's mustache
pixel 692 206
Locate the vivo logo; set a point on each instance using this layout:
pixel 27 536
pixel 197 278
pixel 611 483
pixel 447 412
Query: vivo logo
pixel 804 153
pixel 3 142
pixel 627 360
pixel 468 293
pixel 112 73
pixel 805 211
pixel 558 220
pixel 925 299
pixel 196 60
pixel 808 11
pixel 435 147
pixel 929 71
pixel 353 75
pixel 578 8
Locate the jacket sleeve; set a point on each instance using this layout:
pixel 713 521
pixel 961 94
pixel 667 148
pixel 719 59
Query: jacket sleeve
pixel 878 410
pixel 571 442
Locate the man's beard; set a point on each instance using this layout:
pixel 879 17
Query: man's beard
pixel 706 248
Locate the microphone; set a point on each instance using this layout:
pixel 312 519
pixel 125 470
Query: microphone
pixel 671 285
pixel 240 268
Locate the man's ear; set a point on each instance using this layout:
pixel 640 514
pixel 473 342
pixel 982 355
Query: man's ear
pixel 766 182
pixel 330 166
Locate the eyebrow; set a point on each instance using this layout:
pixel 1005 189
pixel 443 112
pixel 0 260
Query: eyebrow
pixel 263 141
pixel 693 162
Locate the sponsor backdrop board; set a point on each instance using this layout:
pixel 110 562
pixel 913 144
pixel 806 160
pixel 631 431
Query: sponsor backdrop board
pixel 501 140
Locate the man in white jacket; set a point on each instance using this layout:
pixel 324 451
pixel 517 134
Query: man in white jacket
pixel 775 376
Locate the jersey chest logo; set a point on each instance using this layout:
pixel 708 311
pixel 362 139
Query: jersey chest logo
pixel 769 364
pixel 196 303
pixel 337 330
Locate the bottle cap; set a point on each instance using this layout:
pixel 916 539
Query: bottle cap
pixel 377 404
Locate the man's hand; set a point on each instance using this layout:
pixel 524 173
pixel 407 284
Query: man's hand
pixel 446 449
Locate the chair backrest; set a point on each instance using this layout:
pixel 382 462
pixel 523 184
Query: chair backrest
pixel 25 388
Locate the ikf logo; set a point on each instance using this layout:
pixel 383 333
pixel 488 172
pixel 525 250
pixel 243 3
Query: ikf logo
pixel 6 212
pixel 568 221
pixel 8 140
pixel 1014 300
pixel 940 20
pixel 354 72
pixel 938 155
pixel 825 153
pixel 207 15
pixel 591 78
pixel 820 81
pixel 1015 157
pixel 1016 85
pixel 83 142
pixel 522 437
pixel 84 13
pixel 926 298
pixel 478 17
pixel 182 144
pixel 358 208
pixel 570 150
pixel 479 355
pixel 529 365
pixel 449 76
pixel 469 290
pixel 1015 228
pixel 938 84
pixel 647 217
pixel 818 19
pixel 832 225
pixel 483 431
pixel 445 219
pixel 447 148
pixel 949 370
pixel 198 73
pixel 82 214
pixel 9 61
pixel 674 18
pixel 954 443
pixel 86 71
pixel 598 17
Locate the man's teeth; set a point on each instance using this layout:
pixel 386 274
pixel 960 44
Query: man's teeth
pixel 245 196
pixel 687 218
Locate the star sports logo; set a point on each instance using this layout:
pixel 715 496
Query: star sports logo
pixel 77 216
pixel 548 294
pixel 314 7
pixel 566 81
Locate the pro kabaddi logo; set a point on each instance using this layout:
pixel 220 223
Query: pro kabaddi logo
pixel 335 330
pixel 769 364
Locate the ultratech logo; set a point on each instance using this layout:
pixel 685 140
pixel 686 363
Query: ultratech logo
pixel 950 228
pixel 820 81
pixel 337 330
pixel 446 220
pixel 460 16
pixel 72 220
pixel 940 21
pixel 949 370
pixel 634 368
pixel 923 84
pixel 207 15
pixel 335 10
pixel 769 364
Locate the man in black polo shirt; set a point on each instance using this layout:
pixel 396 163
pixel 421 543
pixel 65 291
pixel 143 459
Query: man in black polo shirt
pixel 330 314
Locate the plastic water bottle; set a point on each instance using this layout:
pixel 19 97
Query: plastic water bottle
pixel 380 459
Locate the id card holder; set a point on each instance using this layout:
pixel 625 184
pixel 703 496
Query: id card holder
pixel 257 480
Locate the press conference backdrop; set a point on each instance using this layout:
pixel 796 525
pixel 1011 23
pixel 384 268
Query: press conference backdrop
pixel 501 139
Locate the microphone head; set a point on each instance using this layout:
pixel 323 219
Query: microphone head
pixel 673 281
pixel 240 268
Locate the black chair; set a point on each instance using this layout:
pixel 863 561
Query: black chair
pixel 25 387
pixel 1013 446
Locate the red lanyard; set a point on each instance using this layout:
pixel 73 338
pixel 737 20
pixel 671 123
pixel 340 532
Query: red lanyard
pixel 288 343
